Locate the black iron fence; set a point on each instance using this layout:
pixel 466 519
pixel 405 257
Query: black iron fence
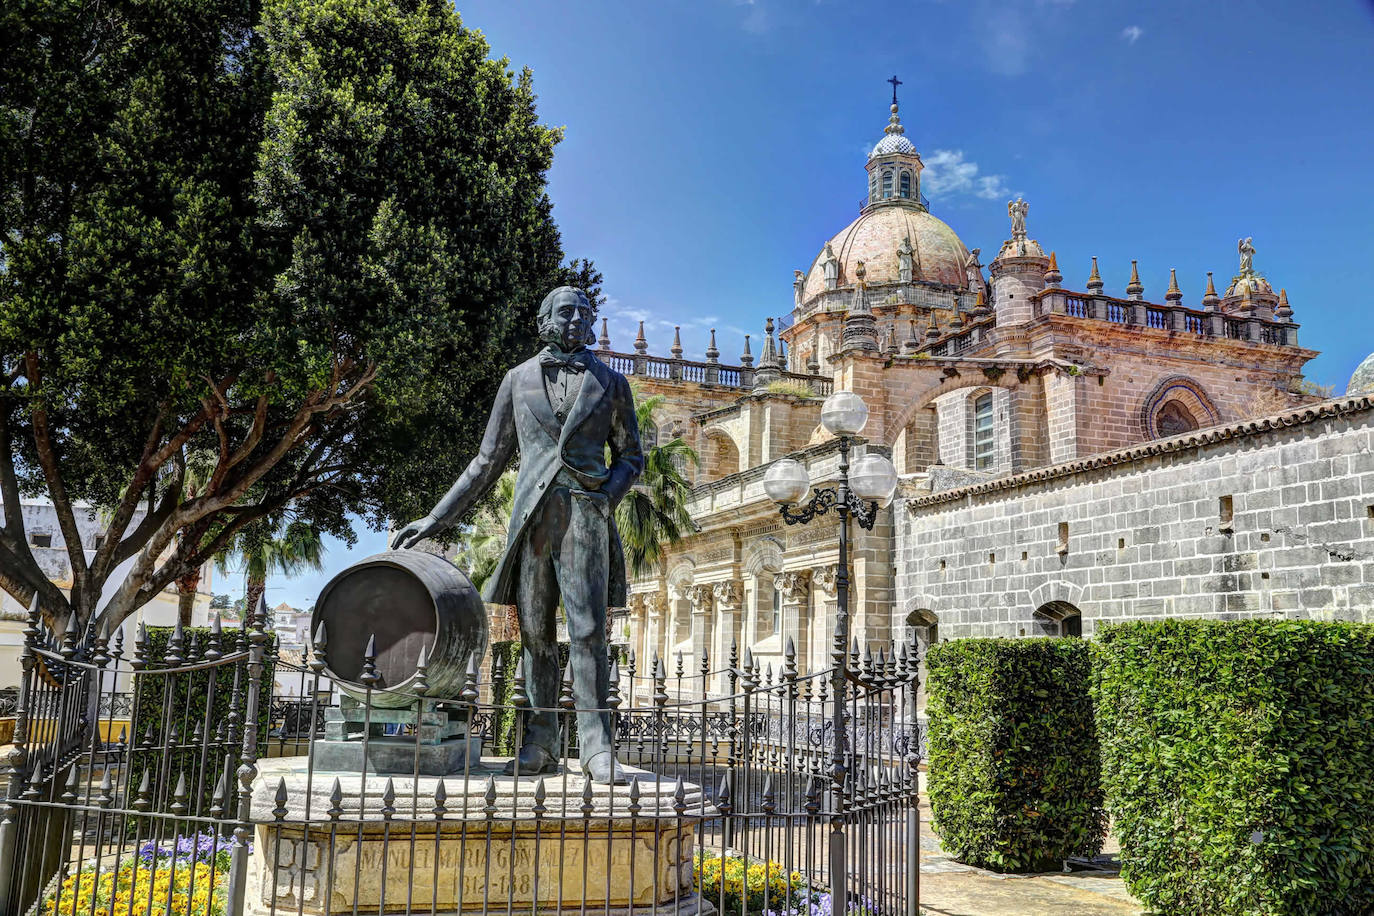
pixel 792 793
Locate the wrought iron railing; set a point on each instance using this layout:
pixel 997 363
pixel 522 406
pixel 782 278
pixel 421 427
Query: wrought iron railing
pixel 225 787
pixel 895 198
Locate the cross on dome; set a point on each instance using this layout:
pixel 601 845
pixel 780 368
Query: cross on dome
pixel 893 140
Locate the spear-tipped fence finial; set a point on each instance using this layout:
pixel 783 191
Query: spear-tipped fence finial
pixel 369 677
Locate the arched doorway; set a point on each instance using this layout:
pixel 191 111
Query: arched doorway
pixel 720 456
pixel 923 628
pixel 1060 618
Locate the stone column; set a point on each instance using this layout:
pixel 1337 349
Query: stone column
pixel 824 581
pixel 728 598
pixel 702 624
pixel 657 606
pixel 795 585
pixel 639 621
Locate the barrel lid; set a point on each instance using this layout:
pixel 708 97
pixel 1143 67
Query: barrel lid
pixel 390 598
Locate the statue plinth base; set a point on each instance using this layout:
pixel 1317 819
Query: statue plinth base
pixel 440 746
pixel 496 848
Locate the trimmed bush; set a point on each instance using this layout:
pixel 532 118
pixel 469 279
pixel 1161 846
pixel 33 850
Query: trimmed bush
pixel 503 722
pixel 1014 773
pixel 1238 758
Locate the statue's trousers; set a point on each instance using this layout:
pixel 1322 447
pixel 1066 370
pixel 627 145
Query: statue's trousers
pixel 565 552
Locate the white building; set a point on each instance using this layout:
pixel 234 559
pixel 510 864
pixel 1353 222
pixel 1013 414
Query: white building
pixel 49 549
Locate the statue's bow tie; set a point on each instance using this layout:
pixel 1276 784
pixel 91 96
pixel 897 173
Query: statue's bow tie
pixel 573 362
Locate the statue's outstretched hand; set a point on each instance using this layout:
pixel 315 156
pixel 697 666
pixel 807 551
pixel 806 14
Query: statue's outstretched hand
pixel 416 532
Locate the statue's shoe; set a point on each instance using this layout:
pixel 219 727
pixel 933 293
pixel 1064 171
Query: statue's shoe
pixel 531 761
pixel 604 769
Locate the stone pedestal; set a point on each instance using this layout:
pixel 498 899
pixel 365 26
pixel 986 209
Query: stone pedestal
pixel 441 745
pixel 500 844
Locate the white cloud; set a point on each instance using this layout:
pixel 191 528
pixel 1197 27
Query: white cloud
pixel 1007 40
pixel 1131 34
pixel 948 173
pixel 757 20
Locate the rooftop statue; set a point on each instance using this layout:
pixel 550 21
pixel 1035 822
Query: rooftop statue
pixel 904 260
pixel 1017 210
pixel 1247 256
pixel 572 419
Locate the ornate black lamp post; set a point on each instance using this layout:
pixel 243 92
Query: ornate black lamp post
pixel 860 492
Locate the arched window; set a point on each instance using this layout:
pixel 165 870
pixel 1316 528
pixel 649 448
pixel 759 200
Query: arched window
pixel 905 187
pixel 872 185
pixel 984 435
pixel 887 185
pixel 1174 419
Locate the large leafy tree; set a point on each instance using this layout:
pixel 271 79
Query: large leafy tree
pixel 302 235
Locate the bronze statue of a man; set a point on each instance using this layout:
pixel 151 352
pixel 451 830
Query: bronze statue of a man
pixel 572 418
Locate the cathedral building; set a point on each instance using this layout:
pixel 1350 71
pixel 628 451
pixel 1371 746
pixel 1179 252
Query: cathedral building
pixel 983 382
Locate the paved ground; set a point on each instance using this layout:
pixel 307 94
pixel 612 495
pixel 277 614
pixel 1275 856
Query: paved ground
pixel 949 888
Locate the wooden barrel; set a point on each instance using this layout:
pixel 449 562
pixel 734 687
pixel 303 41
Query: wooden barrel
pixel 406 599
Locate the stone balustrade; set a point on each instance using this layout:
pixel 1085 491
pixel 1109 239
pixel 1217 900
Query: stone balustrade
pixel 1177 318
pixel 636 365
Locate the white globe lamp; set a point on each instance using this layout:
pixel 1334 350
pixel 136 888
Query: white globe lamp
pixel 872 477
pixel 844 413
pixel 786 482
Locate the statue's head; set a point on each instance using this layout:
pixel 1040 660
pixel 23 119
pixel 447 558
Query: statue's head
pixel 565 318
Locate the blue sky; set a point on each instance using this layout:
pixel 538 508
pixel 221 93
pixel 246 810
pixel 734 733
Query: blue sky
pixel 713 146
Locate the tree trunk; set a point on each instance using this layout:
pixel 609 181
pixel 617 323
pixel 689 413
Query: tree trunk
pixel 186 597
pixel 252 595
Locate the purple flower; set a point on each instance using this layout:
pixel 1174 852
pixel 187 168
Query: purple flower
pixel 198 847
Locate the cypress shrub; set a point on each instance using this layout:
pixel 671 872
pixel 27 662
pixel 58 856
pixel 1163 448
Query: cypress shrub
pixel 1014 773
pixel 180 700
pixel 1238 759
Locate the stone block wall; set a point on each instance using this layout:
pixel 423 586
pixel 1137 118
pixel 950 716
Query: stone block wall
pixel 1267 518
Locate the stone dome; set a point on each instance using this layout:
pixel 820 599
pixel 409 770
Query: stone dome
pixel 1362 382
pixel 937 253
pixel 1252 283
pixel 1026 248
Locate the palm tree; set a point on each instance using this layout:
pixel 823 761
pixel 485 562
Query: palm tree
pixel 654 514
pixel 199 465
pixel 272 546
pixel 481 543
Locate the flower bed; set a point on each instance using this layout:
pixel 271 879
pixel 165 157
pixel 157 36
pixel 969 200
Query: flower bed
pixel 765 888
pixel 188 878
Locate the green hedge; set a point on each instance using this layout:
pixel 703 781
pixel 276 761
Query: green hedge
pixel 187 707
pixel 1238 759
pixel 1014 774
pixel 503 724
